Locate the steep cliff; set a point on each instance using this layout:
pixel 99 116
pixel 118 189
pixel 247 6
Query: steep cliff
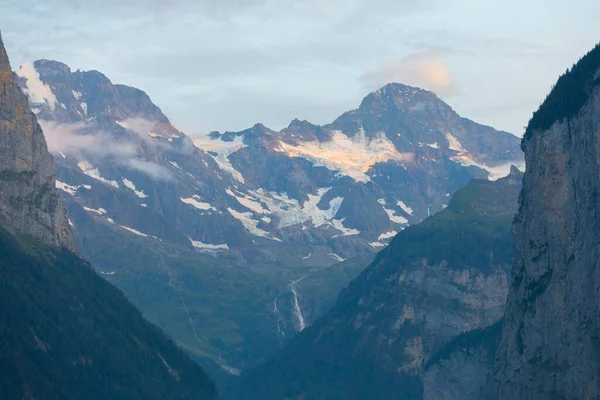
pixel 29 202
pixel 550 343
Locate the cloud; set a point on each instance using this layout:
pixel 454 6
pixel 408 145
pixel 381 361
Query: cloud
pixel 77 141
pixel 149 168
pixel 68 139
pixel 424 69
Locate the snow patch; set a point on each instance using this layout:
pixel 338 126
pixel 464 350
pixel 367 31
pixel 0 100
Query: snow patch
pixel 387 235
pixel 405 208
pixel 131 186
pixel 68 188
pixel 100 211
pixel 250 224
pixel 134 231
pixel 337 257
pixel 209 248
pixel 376 244
pixel 467 160
pixel 198 204
pixel 248 202
pixel 395 218
pixel 290 212
pixel 38 92
pixel 89 170
pixel 220 151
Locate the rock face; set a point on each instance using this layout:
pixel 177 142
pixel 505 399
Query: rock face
pixel 438 279
pixel 549 347
pixel 464 368
pixel 29 202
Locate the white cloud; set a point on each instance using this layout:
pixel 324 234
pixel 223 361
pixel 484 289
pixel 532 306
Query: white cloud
pixel 76 141
pixel 69 139
pixel 149 168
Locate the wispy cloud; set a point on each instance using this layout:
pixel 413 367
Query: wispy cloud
pixel 78 141
pixel 69 140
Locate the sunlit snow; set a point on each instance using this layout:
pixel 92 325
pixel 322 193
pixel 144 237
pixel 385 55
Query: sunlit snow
pixel 352 157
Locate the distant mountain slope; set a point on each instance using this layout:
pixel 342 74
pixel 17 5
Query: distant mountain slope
pixel 67 333
pixel 438 279
pixel 310 195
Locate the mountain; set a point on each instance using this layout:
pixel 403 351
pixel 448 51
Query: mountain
pixel 549 342
pixel 437 280
pixel 259 219
pixel 67 333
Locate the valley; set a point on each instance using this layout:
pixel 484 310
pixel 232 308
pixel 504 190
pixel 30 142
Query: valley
pixel 381 245
pixel 233 242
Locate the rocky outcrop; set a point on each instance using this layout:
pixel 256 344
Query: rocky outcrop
pixel 550 346
pixel 29 202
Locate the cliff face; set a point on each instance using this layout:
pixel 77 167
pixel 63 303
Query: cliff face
pixel 463 369
pixel 29 202
pixel 550 346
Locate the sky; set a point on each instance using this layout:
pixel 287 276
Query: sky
pixel 228 64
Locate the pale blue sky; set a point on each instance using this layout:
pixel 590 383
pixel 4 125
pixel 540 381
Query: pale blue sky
pixel 227 64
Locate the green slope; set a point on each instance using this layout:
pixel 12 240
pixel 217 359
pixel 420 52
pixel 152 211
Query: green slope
pixel 68 334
